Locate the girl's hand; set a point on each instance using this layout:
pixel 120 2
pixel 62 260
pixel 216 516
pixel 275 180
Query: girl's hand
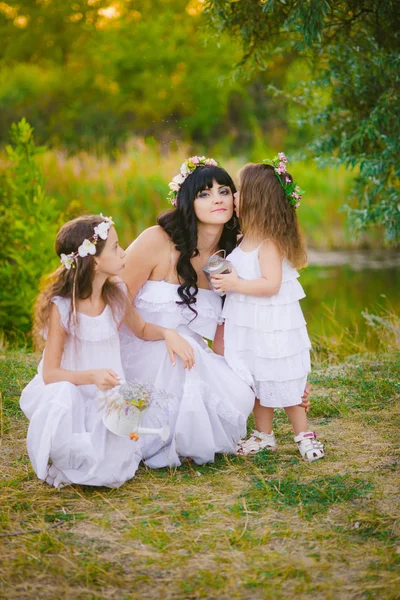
pixel 306 397
pixel 225 283
pixel 105 379
pixel 176 344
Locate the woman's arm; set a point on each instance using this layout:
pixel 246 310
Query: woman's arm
pixel 267 285
pixel 52 371
pixel 150 332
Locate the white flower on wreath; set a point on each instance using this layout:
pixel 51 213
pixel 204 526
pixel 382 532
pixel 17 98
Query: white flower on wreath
pixel 87 247
pixel 67 261
pixel 102 229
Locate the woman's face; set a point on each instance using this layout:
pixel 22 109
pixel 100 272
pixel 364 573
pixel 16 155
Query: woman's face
pixel 214 206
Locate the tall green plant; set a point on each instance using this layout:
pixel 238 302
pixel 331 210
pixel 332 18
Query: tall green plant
pixel 28 224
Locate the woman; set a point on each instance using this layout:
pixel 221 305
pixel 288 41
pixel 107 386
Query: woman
pixel 206 405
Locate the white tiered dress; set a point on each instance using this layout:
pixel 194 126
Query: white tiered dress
pixel 67 440
pixel 266 340
pixel 208 406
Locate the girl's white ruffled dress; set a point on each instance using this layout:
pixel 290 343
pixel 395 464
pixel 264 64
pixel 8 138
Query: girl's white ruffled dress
pixel 266 339
pixel 208 406
pixel 67 441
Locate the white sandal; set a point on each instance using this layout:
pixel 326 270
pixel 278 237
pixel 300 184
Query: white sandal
pixel 257 441
pixel 308 446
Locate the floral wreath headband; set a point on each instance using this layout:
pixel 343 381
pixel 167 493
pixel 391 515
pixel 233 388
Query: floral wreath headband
pixel 187 167
pixel 292 191
pixel 88 246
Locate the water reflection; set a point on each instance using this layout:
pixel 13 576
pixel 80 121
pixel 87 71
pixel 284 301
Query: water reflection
pixel 345 290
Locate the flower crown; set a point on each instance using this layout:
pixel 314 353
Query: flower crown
pixel 292 191
pixel 187 167
pixel 88 246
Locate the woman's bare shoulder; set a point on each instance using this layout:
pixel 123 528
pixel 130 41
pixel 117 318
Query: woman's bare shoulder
pixel 153 237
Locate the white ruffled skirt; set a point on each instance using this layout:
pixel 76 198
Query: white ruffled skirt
pixel 267 344
pixel 67 441
pixel 206 407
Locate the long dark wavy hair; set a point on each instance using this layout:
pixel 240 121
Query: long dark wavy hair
pixel 64 283
pixel 181 226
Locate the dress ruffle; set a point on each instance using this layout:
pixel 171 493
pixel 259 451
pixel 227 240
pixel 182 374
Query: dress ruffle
pixel 266 339
pixel 290 292
pixel 161 297
pixel 268 344
pixel 90 329
pixel 271 369
pixel 262 317
pixel 280 394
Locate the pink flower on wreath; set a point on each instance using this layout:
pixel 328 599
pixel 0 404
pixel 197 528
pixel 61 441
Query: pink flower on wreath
pixel 297 205
pixel 282 157
pixel 211 162
pixel 194 159
pixel 281 168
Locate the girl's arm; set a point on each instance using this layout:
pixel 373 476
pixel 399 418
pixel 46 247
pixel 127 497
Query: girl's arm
pixel 150 332
pixel 53 373
pixel 218 342
pixel 267 285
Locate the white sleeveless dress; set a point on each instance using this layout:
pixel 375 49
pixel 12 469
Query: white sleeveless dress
pixel 67 441
pixel 266 340
pixel 208 406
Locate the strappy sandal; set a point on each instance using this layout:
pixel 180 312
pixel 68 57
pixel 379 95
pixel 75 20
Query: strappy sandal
pixel 257 441
pixel 310 449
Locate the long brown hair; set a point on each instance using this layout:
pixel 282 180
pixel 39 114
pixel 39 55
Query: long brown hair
pixel 65 283
pixel 266 213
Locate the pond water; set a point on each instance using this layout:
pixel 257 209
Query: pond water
pixel 340 285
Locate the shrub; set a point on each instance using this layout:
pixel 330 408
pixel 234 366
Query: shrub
pixel 28 224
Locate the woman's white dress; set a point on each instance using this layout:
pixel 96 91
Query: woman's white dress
pixel 266 339
pixel 206 407
pixel 67 441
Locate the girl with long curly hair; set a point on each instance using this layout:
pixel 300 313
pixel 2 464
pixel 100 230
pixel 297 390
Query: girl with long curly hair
pixel 265 334
pixel 79 312
pixel 164 273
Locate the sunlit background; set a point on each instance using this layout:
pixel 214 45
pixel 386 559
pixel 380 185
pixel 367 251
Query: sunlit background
pixel 121 93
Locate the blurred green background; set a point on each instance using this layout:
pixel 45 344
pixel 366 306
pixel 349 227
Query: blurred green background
pixel 120 93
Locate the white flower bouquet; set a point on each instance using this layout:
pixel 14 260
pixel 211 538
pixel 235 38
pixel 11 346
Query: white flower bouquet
pixel 124 406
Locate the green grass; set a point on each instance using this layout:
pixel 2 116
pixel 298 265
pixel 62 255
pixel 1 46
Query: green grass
pixel 266 527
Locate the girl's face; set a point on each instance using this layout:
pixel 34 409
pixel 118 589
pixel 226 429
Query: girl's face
pixel 214 206
pixel 112 260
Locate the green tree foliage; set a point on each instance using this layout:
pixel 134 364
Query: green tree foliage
pixel 352 49
pixel 28 224
pixel 92 72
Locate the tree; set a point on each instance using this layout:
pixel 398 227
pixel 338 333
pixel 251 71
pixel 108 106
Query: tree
pixel 352 50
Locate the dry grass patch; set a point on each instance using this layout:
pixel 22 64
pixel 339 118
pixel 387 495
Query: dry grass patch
pixel 268 527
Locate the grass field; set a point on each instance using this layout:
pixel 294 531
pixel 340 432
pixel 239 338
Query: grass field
pixel 268 527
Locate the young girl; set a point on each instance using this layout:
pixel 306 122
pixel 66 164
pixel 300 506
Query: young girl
pixel 265 335
pixel 79 313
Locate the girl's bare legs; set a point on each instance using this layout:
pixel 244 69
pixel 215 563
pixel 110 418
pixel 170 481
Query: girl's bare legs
pixel 263 416
pixel 298 418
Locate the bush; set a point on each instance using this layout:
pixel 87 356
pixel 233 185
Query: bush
pixel 28 224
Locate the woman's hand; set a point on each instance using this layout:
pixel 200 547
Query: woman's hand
pixel 225 283
pixel 105 379
pixel 176 344
pixel 306 397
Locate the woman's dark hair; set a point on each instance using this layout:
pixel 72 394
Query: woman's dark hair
pixel 64 282
pixel 181 226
